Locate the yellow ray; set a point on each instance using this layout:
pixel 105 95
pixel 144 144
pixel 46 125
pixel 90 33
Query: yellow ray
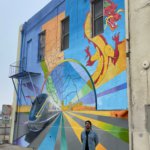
pixel 75 126
pixel 78 129
pixel 116 131
pixel 114 114
pixel 100 113
pixel 97 123
pixel 23 108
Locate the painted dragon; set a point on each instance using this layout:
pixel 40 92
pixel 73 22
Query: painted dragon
pixel 111 14
pixel 105 55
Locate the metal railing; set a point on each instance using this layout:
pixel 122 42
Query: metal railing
pixel 17 67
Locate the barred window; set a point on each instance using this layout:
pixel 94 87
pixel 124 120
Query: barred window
pixel 97 17
pixel 65 34
pixel 41 48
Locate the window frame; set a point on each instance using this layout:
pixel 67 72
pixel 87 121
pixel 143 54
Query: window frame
pixel 93 19
pixel 63 35
pixel 41 53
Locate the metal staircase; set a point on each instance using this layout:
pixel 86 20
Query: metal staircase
pixel 18 70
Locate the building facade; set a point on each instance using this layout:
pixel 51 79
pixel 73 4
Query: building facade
pixel 139 62
pixel 72 68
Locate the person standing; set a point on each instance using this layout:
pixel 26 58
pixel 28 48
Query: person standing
pixel 89 138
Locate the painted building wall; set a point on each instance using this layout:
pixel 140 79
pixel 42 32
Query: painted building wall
pixel 87 81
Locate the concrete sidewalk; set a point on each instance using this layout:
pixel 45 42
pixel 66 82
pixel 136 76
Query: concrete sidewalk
pixel 12 147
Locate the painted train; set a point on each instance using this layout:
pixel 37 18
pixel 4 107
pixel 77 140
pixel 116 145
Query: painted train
pixel 41 113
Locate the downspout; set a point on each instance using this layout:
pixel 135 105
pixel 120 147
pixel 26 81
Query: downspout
pixel 129 89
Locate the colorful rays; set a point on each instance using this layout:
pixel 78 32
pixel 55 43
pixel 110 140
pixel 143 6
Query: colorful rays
pixel 78 129
pixel 105 129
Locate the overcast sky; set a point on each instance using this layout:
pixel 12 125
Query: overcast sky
pixel 13 13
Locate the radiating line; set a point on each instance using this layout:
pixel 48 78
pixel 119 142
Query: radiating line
pixel 50 139
pixel 112 90
pixel 75 126
pixel 116 131
pixel 102 113
pixel 78 129
pixel 63 136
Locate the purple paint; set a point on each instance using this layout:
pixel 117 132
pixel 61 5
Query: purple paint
pixel 112 90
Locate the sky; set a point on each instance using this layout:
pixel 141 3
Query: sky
pixel 13 13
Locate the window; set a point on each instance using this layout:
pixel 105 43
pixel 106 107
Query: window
pixel 97 17
pixel 65 34
pixel 41 49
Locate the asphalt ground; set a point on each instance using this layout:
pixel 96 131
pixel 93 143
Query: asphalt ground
pixel 12 147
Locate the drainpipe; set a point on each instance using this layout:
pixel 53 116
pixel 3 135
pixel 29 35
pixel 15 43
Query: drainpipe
pixel 129 89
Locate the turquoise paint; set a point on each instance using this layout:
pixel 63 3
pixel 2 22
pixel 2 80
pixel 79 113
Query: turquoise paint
pixel 50 139
pixel 63 136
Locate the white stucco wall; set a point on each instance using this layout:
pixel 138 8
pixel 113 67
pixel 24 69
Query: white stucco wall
pixel 16 82
pixel 139 74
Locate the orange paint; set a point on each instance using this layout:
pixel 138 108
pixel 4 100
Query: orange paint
pixel 100 147
pixel 120 114
pixel 53 53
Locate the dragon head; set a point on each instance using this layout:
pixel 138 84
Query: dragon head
pixel 111 14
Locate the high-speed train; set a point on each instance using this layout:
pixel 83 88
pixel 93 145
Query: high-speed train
pixel 42 112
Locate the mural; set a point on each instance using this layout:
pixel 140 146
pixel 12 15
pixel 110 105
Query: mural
pixel 87 81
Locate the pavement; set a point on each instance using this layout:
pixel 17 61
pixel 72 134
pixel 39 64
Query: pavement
pixel 12 147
